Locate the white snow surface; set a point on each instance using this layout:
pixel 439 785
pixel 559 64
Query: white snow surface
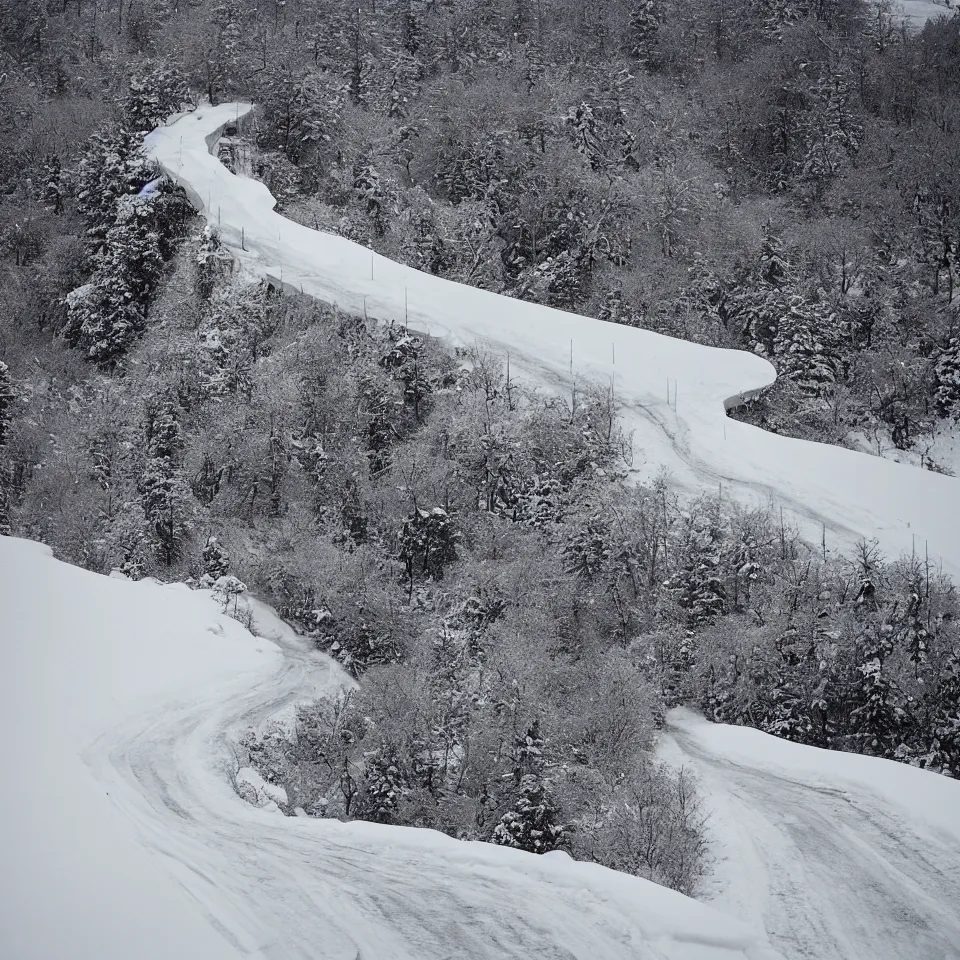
pixel 835 855
pixel 122 837
pixel 855 496
pixel 917 12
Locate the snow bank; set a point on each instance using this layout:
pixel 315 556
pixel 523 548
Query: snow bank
pixel 82 654
pixel 122 836
pixel 673 392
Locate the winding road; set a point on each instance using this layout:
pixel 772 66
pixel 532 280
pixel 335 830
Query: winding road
pixel 829 871
pixel 279 887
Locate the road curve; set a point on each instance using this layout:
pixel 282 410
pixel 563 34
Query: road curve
pixel 830 871
pixel 280 887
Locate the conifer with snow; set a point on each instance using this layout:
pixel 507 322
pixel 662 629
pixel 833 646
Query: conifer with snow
pixel 7 399
pixel 215 560
pixel 533 823
pixel 165 496
pixel 946 380
pixel 646 18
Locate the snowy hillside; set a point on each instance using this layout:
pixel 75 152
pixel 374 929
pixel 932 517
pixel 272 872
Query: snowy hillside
pixel 917 12
pixel 123 838
pixel 673 392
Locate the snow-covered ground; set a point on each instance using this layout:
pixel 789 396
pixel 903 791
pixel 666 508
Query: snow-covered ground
pixel 917 12
pixel 122 837
pixel 940 449
pixel 673 392
pixel 835 855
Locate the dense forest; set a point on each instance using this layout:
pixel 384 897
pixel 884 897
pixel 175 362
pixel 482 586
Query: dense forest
pixel 779 176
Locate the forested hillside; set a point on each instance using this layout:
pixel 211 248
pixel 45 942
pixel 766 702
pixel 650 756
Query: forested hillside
pixel 777 176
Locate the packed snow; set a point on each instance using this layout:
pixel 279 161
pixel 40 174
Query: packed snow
pixel 833 854
pixel 123 837
pixel 673 392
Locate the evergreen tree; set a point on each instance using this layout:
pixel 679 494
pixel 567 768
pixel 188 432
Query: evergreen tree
pixel 385 786
pixel 946 380
pixel 528 753
pixel 215 560
pixel 106 315
pixel 586 134
pixel 53 184
pixel 370 191
pixel 533 824
pixel 646 17
pixel 155 91
pixel 943 752
pixel 113 166
pixel 877 719
pixel 427 543
pixel 164 494
pixel 807 345
pixel 7 399
pixel 588 550
pixel 697 583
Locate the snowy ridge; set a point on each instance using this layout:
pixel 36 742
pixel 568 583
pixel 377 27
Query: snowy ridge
pixel 673 392
pixel 123 837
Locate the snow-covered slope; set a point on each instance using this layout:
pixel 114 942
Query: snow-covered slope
pixel 122 838
pixel 835 855
pixel 673 392
pixel 917 12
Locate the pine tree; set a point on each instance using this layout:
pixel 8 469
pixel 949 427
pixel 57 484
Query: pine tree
pixel 164 494
pixel 877 719
pixel 113 166
pixel 588 550
pixel 53 184
pixel 533 824
pixel 946 380
pixel 215 560
pixel 528 753
pixel 385 787
pixel 697 584
pixel 210 260
pixel 155 91
pixel 370 191
pixel 807 345
pixel 7 399
pixel 106 315
pixel 586 134
pixel 943 752
pixel 428 542
pixel 643 34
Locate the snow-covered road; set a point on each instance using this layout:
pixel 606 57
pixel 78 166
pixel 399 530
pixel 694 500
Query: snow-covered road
pixel 832 865
pixel 294 888
pixel 673 392
pixel 123 838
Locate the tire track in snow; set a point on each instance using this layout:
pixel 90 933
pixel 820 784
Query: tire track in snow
pixel 291 888
pixel 841 875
